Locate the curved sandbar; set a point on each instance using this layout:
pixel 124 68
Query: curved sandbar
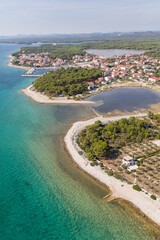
pixel 149 207
pixel 41 98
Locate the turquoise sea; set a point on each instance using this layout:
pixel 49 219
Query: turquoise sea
pixel 43 194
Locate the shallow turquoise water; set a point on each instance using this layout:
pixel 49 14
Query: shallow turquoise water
pixel 43 194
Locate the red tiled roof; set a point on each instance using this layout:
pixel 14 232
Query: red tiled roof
pixel 90 82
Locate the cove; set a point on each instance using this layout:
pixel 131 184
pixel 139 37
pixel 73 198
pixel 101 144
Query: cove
pixel 126 99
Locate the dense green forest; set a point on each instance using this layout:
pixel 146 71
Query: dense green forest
pixel 67 51
pixel 68 82
pixel 98 140
pixel 126 44
pixel 155 53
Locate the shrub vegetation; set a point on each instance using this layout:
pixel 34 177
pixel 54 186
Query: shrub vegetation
pixel 137 188
pixel 153 197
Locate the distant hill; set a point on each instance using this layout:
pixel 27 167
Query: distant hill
pixel 82 37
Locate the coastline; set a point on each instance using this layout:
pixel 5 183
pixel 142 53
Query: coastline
pixel 40 98
pixel 44 99
pixel 10 64
pixel 142 201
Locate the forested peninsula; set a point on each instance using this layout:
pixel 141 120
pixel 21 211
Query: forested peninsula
pixel 66 82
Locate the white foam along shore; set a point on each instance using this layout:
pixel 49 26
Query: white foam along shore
pixel 41 98
pixel 151 208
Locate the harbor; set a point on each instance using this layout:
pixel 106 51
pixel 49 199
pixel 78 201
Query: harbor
pixel 38 72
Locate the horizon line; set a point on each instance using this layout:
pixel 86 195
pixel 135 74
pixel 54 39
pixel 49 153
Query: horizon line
pixel 80 33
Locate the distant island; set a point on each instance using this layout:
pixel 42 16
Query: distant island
pixel 82 37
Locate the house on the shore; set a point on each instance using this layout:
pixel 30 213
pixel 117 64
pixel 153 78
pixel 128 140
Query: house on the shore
pixel 108 78
pixel 90 85
pixel 103 82
pixel 129 161
pixel 154 79
pixel 97 82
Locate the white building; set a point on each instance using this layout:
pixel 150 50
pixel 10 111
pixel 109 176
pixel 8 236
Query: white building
pixel 90 85
pixel 108 78
pixel 129 161
pixel 154 79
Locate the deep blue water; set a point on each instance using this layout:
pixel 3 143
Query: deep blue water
pixel 43 194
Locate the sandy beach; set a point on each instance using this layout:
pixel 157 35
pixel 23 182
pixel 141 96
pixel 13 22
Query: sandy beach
pixel 40 98
pixel 151 208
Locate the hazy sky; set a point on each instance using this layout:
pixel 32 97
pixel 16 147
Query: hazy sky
pixel 72 16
